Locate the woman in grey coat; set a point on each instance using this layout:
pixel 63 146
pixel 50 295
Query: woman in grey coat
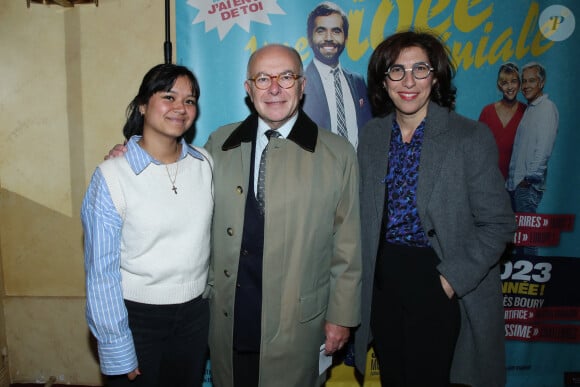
pixel 435 221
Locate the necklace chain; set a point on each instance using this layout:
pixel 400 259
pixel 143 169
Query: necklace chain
pixel 172 180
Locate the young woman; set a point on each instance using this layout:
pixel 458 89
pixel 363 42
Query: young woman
pixel 504 116
pixel 146 220
pixel 435 218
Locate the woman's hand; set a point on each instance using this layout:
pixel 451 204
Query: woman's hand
pixel 446 287
pixel 133 374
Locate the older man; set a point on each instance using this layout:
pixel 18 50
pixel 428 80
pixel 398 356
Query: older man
pixel 533 145
pixel 335 98
pixel 286 265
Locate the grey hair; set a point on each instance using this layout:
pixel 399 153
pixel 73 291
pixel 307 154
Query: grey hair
pixel 537 66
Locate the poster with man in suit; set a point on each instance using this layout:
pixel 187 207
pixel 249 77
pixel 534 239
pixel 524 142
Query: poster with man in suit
pixel 335 98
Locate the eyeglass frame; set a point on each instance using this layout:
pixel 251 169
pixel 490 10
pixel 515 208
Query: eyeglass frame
pixel 294 77
pixel 412 70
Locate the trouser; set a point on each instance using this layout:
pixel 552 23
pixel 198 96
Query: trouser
pixel 246 369
pixel 171 344
pixel 526 199
pixel 414 324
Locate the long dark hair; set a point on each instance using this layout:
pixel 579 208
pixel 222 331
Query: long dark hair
pixel 160 78
pixel 387 52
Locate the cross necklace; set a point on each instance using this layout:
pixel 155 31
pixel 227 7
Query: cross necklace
pixel 172 179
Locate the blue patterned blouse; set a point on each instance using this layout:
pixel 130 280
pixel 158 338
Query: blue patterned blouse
pixel 403 223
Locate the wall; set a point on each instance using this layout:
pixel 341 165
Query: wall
pixel 67 77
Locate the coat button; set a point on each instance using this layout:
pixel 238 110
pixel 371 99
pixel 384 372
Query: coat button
pixel 226 314
pixel 239 189
pixel 227 273
pixel 230 231
pixel 431 233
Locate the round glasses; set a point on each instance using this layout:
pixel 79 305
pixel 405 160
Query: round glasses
pixel 420 70
pixel 285 80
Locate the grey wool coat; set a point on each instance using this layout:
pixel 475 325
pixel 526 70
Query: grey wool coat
pixel 466 213
pixel 311 262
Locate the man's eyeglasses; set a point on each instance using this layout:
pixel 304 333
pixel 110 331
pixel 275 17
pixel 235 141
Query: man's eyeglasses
pixel 419 70
pixel 285 80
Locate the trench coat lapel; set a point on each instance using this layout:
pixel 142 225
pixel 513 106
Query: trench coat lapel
pixel 242 138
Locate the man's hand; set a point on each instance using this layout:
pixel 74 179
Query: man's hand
pixel 118 150
pixel 336 337
pixel 133 374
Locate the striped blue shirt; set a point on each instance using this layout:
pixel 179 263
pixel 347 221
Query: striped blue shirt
pixel 106 313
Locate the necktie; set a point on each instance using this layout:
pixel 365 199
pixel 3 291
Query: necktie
pixel 262 171
pixel 340 117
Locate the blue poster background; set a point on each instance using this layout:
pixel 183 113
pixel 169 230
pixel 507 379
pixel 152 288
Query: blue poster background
pixel 215 39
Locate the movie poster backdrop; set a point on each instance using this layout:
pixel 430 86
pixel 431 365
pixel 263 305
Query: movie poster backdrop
pixel 540 278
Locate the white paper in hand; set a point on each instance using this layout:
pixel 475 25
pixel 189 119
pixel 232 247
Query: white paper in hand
pixel 324 361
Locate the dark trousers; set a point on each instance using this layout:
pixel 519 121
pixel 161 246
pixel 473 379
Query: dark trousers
pixel 171 344
pixel 414 324
pixel 246 369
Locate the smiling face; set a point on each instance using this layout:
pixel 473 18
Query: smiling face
pixel 509 85
pixel 328 38
pixel 170 113
pixel 532 84
pixel 409 95
pixel 275 105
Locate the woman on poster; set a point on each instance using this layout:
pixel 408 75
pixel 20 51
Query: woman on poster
pixel 504 116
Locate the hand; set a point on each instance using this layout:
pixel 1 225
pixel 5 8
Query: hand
pixel 446 287
pixel 133 374
pixel 336 337
pixel 118 150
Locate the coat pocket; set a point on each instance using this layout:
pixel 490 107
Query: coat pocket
pixel 312 304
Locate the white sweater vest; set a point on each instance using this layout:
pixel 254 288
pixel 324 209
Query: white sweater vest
pixel 165 237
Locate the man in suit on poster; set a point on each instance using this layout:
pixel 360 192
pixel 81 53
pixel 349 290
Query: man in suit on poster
pixel 335 98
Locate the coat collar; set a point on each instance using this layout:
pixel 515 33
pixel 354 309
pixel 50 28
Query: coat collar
pixel 304 133
pixel 434 150
pixel 437 120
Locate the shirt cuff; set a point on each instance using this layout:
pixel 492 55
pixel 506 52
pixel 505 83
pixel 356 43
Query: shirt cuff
pixel 118 358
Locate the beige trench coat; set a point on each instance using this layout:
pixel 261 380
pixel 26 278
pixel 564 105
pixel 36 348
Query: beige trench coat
pixel 311 263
